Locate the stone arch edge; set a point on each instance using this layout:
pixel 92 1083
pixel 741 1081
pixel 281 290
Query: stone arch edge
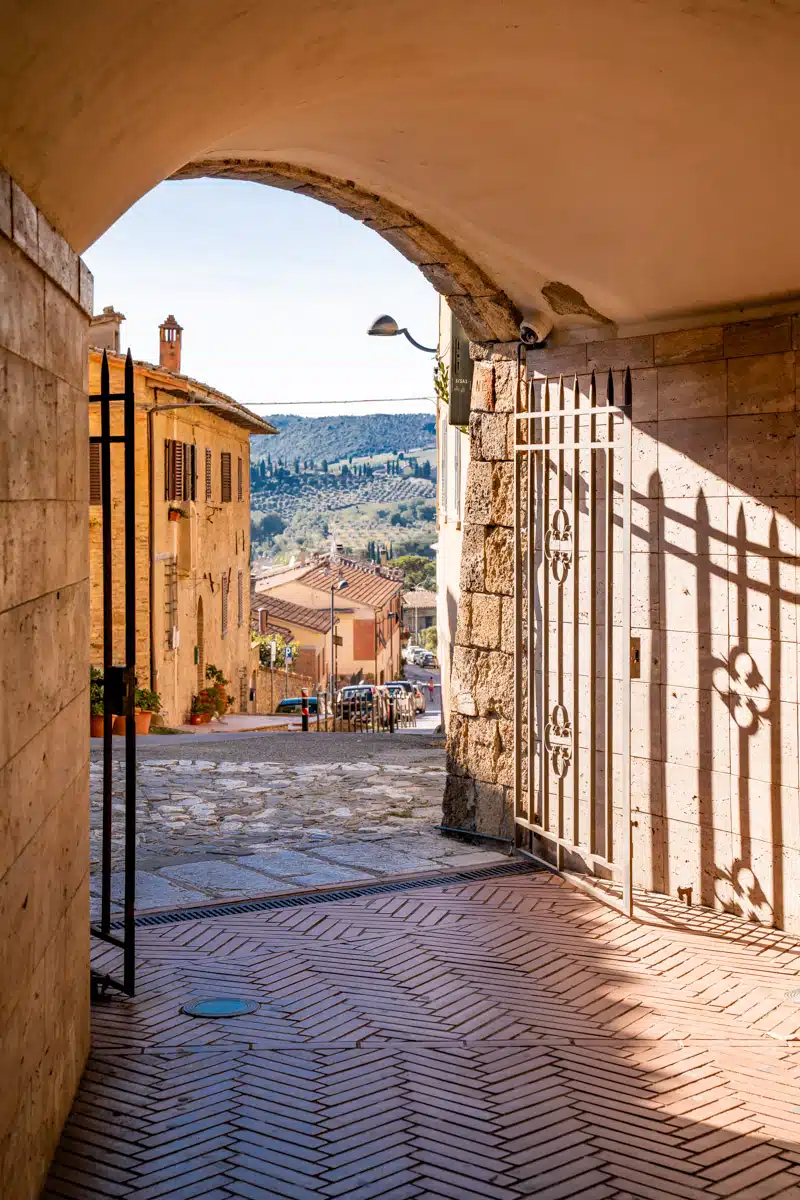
pixel 485 312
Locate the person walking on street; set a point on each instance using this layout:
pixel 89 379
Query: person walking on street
pixel 431 688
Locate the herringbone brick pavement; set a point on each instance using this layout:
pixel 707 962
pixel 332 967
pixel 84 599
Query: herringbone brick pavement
pixel 481 1041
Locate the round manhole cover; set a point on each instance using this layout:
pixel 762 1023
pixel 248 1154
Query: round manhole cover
pixel 227 1006
pixel 794 996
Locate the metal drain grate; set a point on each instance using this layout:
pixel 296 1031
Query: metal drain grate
pixel 297 899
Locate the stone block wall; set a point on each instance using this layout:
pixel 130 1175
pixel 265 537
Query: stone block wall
pixel 715 590
pixel 273 685
pixel 45 298
pixel 478 793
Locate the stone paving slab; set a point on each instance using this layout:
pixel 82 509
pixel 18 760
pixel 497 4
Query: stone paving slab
pixel 216 828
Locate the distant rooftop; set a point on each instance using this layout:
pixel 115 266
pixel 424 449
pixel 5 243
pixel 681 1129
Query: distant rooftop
pixel 421 598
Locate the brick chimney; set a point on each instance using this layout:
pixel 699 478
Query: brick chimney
pixel 104 329
pixel 169 348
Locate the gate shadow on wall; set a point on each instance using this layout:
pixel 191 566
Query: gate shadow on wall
pixel 722 703
pixel 714 716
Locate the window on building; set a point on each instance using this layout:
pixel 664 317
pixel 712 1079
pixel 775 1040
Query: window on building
pixel 240 480
pixel 208 477
pixel 180 470
pixel 225 586
pixel 240 595
pixel 95 474
pixel 225 476
pixel 457 474
pixel 171 603
pixel 443 430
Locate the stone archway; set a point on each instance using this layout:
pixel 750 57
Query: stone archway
pixel 485 312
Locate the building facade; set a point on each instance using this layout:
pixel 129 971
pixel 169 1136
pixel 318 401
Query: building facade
pixel 192 519
pixel 367 614
pixel 453 450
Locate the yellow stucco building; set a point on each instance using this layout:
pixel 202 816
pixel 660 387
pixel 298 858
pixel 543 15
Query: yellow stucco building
pixel 192 515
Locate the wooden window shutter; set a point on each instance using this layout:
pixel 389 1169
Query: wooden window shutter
pixel 240 588
pixel 225 471
pixel 189 471
pixel 240 480
pixel 225 587
pixel 177 471
pixel 208 476
pixel 95 476
pixel 167 469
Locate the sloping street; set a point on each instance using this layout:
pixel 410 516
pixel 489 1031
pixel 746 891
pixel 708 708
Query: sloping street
pixel 272 813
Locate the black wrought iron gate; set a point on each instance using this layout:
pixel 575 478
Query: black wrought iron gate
pixel 119 680
pixel 572 471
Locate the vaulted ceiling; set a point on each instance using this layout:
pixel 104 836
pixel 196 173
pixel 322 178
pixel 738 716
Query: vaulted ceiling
pixel 641 154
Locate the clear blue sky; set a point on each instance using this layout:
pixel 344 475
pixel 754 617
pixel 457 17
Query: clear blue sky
pixel 275 293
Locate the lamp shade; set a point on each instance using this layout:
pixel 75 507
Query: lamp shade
pixel 384 326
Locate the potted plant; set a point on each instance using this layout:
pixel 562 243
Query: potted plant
pixel 175 514
pixel 95 702
pixel 203 707
pixel 218 690
pixel 146 702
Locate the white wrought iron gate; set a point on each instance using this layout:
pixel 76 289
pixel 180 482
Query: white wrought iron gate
pixel 574 653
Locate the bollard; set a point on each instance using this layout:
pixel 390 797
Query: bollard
pixel 304 709
pixel 391 714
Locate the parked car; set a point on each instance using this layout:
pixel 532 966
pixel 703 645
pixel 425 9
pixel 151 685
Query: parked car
pixel 412 690
pixel 403 701
pixel 415 655
pixel 358 702
pixel 294 704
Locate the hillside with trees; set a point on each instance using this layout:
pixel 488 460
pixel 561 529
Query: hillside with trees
pixel 379 502
pixel 338 438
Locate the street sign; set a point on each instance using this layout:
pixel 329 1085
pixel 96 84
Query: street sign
pixel 338 641
pixel 461 368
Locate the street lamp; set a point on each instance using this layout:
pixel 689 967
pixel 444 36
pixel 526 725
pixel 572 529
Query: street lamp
pixel 386 326
pixel 337 586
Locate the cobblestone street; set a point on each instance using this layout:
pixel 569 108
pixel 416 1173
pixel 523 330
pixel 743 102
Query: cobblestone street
pixel 229 826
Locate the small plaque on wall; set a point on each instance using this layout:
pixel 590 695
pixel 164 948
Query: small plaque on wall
pixel 461 367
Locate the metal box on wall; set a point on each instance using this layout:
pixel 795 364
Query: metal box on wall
pixel 461 368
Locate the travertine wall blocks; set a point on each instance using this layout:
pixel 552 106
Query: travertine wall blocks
pixel 688 345
pixel 769 336
pixel 715 595
pixel 44 827
pixel 5 203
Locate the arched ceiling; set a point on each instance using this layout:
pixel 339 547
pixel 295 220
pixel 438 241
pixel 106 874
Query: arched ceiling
pixel 640 152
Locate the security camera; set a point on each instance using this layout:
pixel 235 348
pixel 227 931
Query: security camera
pixel 534 330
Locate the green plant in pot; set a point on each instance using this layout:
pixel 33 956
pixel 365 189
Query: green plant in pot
pixel 146 702
pixel 218 689
pixel 96 698
pixel 203 707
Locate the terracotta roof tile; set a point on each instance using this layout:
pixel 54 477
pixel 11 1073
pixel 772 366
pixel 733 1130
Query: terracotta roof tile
pixel 366 584
pixel 278 610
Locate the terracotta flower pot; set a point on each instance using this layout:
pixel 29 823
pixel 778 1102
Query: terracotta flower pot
pixel 195 718
pixel 143 720
pixel 96 726
pixel 205 718
pixel 174 516
pixel 119 726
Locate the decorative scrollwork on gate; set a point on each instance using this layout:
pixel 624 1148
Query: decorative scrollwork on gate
pixel 558 740
pixel 558 545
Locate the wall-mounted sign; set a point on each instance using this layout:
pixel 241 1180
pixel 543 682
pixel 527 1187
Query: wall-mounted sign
pixel 461 367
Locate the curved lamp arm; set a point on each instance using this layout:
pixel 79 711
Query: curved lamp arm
pixel 414 342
